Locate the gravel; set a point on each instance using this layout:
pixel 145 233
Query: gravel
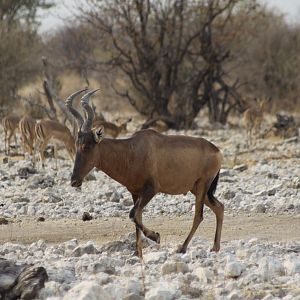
pixel 265 180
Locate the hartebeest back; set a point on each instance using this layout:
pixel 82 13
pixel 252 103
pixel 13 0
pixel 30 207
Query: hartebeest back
pixel 148 163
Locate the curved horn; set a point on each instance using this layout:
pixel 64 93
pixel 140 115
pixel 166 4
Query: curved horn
pixel 72 110
pixel 87 125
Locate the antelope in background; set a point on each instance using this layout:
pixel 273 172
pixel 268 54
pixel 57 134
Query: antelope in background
pixel 46 130
pixel 27 130
pixel 10 125
pixel 149 163
pixel 253 118
pixel 111 129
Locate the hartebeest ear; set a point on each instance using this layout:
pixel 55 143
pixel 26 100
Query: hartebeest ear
pixel 98 134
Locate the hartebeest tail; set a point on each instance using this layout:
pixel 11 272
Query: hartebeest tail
pixel 149 163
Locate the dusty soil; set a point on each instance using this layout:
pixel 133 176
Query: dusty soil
pixel 172 229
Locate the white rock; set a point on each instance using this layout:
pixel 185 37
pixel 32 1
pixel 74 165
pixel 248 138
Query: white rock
pixel 234 269
pixel 87 248
pixel 87 290
pixel 270 267
pixel 51 289
pixel 165 291
pixel 134 287
pixel 155 257
pixel 116 291
pixel 204 275
pixel 174 267
pixel 292 266
pixel 235 295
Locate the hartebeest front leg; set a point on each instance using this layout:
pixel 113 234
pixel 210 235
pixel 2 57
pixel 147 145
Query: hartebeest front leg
pixel 136 215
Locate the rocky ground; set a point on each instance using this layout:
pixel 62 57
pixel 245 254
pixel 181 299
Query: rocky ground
pixel 263 180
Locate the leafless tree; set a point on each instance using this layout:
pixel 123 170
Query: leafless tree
pixel 172 52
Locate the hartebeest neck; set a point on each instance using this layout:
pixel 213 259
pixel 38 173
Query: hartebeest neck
pixel 113 157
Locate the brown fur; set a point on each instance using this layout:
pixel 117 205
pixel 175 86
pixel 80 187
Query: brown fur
pixel 149 163
pixel 10 125
pixel 27 130
pixel 46 130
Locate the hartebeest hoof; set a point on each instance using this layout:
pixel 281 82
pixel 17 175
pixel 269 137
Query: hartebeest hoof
pixel 215 249
pixel 181 250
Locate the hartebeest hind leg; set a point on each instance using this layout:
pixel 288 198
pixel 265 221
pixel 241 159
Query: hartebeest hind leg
pixel 218 208
pixel 136 215
pixel 199 190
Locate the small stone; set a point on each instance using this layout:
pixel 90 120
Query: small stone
pixel 87 290
pixel 272 191
pixel 164 291
pixel 270 267
pixel 204 275
pixel 174 267
pixel 260 208
pixel 88 248
pixel 25 172
pixel 86 216
pixel 234 295
pixel 71 244
pixel 40 219
pixel 133 296
pixel 115 197
pixel 3 221
pixel 127 202
pixel 90 177
pixel 155 257
pixel 168 268
pixel 20 200
pixel 292 266
pixel 273 176
pixel 233 269
pixel 291 140
pixel 227 195
pixel 240 168
pixel 5 160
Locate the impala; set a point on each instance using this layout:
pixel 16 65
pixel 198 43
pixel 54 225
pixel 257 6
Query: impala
pixel 111 129
pixel 46 130
pixel 149 163
pixel 10 125
pixel 253 118
pixel 27 130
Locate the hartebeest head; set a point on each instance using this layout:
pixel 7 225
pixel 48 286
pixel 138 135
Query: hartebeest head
pixel 87 138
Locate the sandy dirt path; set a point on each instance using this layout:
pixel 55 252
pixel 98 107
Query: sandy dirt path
pixel 172 229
